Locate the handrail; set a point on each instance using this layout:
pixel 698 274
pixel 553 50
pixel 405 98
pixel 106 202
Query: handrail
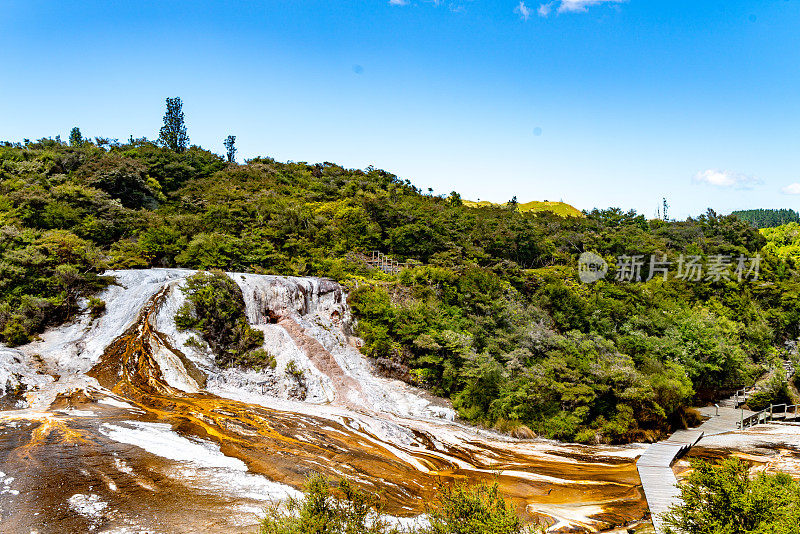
pixel 740 397
pixel 383 262
pixel 768 414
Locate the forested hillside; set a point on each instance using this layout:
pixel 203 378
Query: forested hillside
pixel 784 243
pixel 493 317
pixel 767 218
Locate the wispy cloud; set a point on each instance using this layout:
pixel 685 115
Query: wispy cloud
pixel 545 9
pixel 576 6
pixel 719 178
pixel 523 11
pixel 791 189
pixel 456 6
pixel 572 6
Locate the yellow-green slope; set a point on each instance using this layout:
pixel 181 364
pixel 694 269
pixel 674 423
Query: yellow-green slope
pixel 559 208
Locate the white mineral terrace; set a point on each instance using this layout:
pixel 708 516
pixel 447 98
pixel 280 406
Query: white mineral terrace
pixel 125 424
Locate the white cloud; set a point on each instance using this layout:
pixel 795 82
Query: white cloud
pixel 719 178
pixel 573 6
pixel 456 6
pixel 545 9
pixel 523 11
pixel 791 189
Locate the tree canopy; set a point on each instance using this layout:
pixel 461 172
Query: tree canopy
pixel 173 134
pixel 490 313
pixel 763 218
pixel 230 148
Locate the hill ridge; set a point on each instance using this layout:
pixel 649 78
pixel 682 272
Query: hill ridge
pixel 557 207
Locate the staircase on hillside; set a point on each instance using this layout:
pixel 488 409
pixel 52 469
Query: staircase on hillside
pixel 788 367
pixel 379 260
pixel 738 398
pixel 775 412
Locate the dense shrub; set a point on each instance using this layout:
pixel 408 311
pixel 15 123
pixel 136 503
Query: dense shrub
pixel 776 391
pixel 724 498
pixel 215 308
pixel 796 375
pixel 456 510
pixel 122 178
pixel 96 307
pixel 320 512
pixel 42 277
pixel 461 509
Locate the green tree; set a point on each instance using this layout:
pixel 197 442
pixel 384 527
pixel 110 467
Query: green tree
pixel 122 178
pixel 75 137
pixel 230 148
pixel 765 218
pixel 776 391
pixel 173 133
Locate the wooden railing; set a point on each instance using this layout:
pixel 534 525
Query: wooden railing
pixel 741 395
pixel 770 414
pixel 775 411
pixel 786 411
pixel 381 261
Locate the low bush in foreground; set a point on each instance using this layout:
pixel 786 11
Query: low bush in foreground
pixel 319 512
pixel 472 510
pixel 723 499
pixel 456 510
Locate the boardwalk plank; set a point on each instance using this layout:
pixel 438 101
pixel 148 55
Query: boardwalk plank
pixel 655 464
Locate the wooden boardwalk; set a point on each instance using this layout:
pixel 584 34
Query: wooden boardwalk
pixel 655 464
pixel 655 470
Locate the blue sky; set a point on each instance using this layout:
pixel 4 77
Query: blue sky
pixel 599 103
